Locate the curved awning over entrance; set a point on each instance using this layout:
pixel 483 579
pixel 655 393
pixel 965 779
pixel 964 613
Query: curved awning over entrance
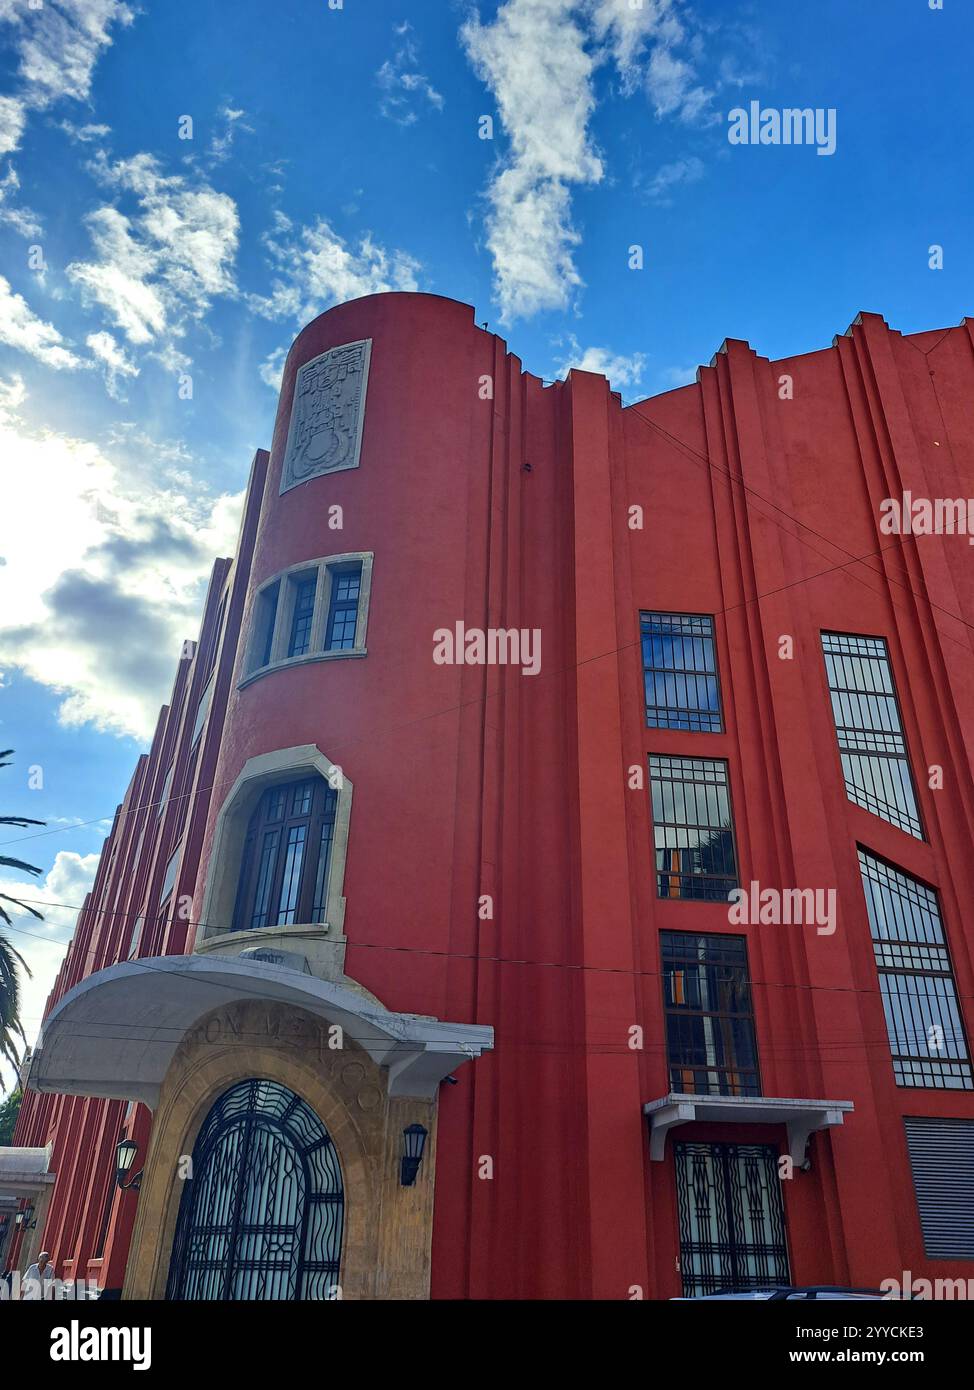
pixel 115 1033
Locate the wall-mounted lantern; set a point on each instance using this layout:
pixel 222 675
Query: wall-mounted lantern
pixel 25 1220
pixel 413 1144
pixel 124 1159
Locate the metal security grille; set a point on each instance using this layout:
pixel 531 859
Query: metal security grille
pixel 710 1041
pixel 926 1033
pixel 869 729
pixel 680 672
pixel 692 827
pixel 942 1159
pixel 261 1217
pixel 732 1223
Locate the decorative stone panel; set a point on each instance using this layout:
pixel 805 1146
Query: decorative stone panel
pixel 327 414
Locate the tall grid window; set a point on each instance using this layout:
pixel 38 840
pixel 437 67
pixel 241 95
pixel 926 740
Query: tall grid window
pixel 710 1038
pixel 284 870
pixel 680 672
pixel 343 609
pixel 926 1034
pixel 869 729
pixel 302 613
pixel 692 827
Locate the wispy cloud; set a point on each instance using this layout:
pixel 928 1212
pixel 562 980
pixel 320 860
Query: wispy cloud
pixel 233 119
pixel 534 60
pixel 315 268
pixel 56 48
pixel 405 90
pixel 670 176
pixel 616 366
pixel 21 328
pixel 112 360
pixel 539 59
pixel 164 264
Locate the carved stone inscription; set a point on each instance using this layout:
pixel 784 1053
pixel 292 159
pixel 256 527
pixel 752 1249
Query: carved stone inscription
pixel 269 1027
pixel 327 414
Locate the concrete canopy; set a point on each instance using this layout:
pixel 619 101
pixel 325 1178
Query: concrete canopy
pixel 115 1033
pixel 800 1117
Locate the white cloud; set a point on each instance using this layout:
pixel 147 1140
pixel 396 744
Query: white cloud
pixel 60 44
pixel 21 328
pixel 112 359
pixel 405 90
pixel 318 268
pixel 43 944
pixel 534 60
pixel 233 120
pixel 13 118
pixel 84 134
pixel 626 29
pixel 105 577
pixel 669 176
pixel 24 221
pixel 619 369
pixel 272 368
pixel 12 396
pixel 538 59
pixel 154 271
pixel 56 46
pixel 673 88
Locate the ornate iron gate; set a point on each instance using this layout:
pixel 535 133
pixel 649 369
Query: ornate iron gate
pixel 261 1216
pixel 732 1224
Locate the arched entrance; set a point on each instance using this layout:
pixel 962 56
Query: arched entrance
pixel 261 1217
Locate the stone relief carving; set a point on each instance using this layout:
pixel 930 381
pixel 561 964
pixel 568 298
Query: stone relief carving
pixel 327 414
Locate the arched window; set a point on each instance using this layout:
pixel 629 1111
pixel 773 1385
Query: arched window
pixel 261 1216
pixel 284 868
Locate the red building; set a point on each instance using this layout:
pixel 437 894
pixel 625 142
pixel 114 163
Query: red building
pixel 692 656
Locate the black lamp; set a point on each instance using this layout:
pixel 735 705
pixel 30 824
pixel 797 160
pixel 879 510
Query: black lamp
pixel 25 1219
pixel 124 1158
pixel 413 1144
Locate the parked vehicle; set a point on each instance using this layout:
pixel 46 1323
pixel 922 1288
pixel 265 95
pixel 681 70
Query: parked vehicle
pixel 777 1293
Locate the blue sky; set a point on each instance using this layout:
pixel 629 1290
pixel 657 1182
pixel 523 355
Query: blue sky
pixel 336 152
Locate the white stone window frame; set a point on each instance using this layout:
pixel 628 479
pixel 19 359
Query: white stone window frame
pixel 324 568
pixel 258 774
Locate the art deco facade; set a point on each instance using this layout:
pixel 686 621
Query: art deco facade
pixel 353 890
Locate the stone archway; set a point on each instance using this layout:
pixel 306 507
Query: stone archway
pixel 387 1228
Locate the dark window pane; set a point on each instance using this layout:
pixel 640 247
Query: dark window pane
pixel 923 1021
pixel 680 666
pixel 324 855
pixel 709 1019
pixel 343 609
pixel 291 879
pixel 265 876
pixel 872 747
pixel 304 607
pixel 266 617
pixel 694 836
pixel 284 869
